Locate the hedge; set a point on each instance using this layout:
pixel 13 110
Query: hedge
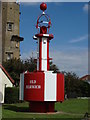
pixel 12 95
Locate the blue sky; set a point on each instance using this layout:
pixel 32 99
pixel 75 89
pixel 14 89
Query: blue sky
pixel 69 48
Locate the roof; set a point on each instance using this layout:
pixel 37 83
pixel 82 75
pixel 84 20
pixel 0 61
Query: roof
pixel 6 73
pixel 16 38
pixel 85 76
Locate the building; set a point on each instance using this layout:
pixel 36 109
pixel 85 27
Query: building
pixel 86 78
pixel 5 81
pixel 0 34
pixel 10 31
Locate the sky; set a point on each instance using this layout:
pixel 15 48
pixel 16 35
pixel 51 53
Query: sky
pixel 69 48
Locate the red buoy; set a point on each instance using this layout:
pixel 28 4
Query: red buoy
pixel 43 6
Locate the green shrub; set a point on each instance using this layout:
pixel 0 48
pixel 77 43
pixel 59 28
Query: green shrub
pixel 11 95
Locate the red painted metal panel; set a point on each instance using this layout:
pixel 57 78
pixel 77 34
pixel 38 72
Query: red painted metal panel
pixel 42 106
pixel 34 86
pixel 60 87
pixel 37 106
pixel 50 107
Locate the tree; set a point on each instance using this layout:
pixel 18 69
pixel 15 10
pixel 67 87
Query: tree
pixel 74 87
pixel 30 64
pixel 53 67
pixel 14 67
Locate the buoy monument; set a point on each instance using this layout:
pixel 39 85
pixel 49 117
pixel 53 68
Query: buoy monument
pixel 42 88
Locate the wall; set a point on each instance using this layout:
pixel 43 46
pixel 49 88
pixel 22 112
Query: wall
pixel 10 14
pixel 0 34
pixel 4 82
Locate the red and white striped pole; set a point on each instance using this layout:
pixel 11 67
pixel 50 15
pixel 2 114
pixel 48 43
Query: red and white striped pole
pixel 43 50
pixel 43 39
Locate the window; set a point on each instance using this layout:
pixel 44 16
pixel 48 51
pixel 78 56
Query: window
pixel 44 41
pixel 17 45
pixel 9 26
pixel 8 56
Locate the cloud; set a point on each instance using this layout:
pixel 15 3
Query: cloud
pixel 30 3
pixel 36 1
pixel 75 61
pixel 45 0
pixel 85 8
pixel 82 38
pixel 54 0
pixel 8 0
pixel 27 55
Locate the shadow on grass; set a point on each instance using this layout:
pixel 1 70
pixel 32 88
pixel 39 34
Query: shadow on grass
pixel 16 109
pixel 19 109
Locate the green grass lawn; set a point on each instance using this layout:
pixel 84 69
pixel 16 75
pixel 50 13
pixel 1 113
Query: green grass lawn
pixel 77 106
pixel 72 108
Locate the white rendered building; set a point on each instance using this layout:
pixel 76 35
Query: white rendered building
pixel 5 81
